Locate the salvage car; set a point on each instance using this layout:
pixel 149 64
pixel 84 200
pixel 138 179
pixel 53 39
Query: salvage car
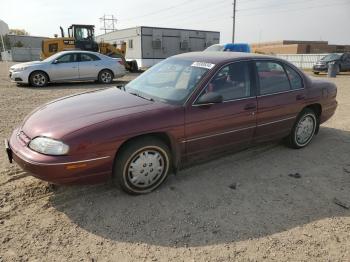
pixel 186 108
pixel 341 61
pixel 68 66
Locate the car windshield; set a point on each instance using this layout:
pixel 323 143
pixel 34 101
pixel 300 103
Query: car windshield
pixel 215 48
pixel 330 57
pixel 170 81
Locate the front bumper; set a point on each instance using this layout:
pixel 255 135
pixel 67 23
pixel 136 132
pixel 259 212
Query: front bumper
pixel 58 169
pixel 318 68
pixel 19 76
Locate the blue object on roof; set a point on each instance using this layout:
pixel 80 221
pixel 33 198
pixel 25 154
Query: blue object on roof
pixel 245 48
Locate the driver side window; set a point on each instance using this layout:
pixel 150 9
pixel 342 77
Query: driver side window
pixel 231 82
pixel 68 58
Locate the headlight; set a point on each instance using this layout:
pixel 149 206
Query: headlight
pixel 18 69
pixel 48 146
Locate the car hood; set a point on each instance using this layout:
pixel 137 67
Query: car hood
pixel 63 116
pixel 20 65
pixel 324 62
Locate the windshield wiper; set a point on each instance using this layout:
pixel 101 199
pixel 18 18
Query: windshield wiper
pixel 138 95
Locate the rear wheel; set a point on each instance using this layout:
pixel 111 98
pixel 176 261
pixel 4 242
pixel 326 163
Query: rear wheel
pixel 142 165
pixel 133 66
pixel 304 129
pixel 105 76
pixel 38 79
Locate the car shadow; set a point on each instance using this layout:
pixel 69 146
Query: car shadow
pixel 77 85
pixel 254 193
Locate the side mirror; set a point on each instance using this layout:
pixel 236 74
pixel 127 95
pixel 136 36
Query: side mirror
pixel 120 86
pixel 55 61
pixel 210 98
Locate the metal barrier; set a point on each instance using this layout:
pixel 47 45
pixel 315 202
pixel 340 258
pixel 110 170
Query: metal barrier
pixel 303 61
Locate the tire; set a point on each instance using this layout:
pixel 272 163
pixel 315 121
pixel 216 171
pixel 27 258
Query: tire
pixel 135 167
pixel 134 68
pixel 105 76
pixel 303 130
pixel 38 79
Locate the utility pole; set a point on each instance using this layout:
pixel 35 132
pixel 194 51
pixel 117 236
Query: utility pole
pixel 2 42
pixel 233 21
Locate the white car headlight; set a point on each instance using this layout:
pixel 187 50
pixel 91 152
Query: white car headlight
pixel 48 146
pixel 18 69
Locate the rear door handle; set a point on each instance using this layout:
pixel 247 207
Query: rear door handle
pixel 300 97
pixel 249 106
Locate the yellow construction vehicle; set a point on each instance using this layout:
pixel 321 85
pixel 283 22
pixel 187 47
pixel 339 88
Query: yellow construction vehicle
pixel 82 37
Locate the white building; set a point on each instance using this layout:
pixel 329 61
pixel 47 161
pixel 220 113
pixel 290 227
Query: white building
pixel 149 45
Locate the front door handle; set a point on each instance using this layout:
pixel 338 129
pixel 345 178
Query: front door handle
pixel 250 107
pixel 300 97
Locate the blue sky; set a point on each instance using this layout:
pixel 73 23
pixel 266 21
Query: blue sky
pixel 257 20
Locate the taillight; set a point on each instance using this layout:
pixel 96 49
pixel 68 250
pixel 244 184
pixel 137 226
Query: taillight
pixel 121 62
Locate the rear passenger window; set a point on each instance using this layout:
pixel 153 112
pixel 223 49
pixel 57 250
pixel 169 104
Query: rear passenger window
pixel 295 80
pixel 273 78
pixel 84 57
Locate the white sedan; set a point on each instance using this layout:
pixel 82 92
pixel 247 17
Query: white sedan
pixel 68 66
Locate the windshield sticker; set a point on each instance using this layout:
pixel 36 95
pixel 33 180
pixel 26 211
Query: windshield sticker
pixel 203 64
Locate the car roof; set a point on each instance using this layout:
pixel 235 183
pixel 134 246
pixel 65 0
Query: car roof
pixel 78 51
pixel 219 56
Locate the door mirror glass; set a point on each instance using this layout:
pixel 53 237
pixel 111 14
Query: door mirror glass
pixel 210 98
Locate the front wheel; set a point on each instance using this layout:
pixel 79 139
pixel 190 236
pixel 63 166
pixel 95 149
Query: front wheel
pixel 303 130
pixel 142 166
pixel 38 79
pixel 105 76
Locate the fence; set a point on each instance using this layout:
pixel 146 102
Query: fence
pixel 24 54
pixel 303 61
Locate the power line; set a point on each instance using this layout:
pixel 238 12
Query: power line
pixel 215 18
pixel 275 5
pixel 157 11
pixel 299 9
pixel 180 13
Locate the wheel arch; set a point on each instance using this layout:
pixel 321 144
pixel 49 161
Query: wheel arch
pixel 317 108
pixel 39 70
pixel 99 72
pixel 165 137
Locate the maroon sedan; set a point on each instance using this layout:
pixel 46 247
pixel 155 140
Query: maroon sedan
pixel 183 109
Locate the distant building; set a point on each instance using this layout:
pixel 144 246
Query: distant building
pixel 149 45
pixel 298 47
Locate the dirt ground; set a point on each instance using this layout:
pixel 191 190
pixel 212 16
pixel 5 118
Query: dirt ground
pixel 243 207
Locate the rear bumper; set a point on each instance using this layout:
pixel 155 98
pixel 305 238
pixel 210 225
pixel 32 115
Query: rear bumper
pixel 328 112
pixel 59 169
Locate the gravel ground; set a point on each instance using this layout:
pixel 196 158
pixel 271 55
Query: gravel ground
pixel 243 207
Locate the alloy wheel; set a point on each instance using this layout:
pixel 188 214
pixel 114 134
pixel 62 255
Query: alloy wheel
pixel 305 129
